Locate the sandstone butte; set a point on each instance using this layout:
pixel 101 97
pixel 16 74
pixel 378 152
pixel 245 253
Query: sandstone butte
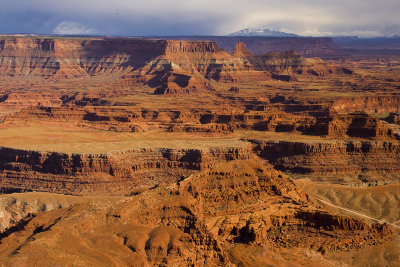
pixel 149 152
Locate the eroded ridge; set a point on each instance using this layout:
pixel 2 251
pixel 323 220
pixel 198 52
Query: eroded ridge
pixel 202 220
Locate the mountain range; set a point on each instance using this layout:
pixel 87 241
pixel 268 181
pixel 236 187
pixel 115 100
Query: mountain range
pixel 262 32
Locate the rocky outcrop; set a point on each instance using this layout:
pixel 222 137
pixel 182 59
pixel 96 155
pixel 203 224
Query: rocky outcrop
pixel 306 46
pixel 60 58
pixel 105 118
pixel 202 128
pixel 16 207
pixel 126 120
pixel 276 65
pixel 369 104
pixel 180 69
pixel 29 99
pixel 198 221
pixel 259 121
pixel 332 157
pixel 352 125
pixel 275 113
pixel 11 103
pixel 168 66
pixel 241 50
pixel 23 170
pixel 68 57
pixel 327 221
pixel 394 117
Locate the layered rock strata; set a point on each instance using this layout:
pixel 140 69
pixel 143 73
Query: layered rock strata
pixel 352 125
pixel 308 47
pixel 202 220
pixel 23 170
pixel 332 157
pixel 168 66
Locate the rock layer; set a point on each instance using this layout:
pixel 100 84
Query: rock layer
pixel 199 221
pixel 332 158
pixel 123 171
pixel 169 66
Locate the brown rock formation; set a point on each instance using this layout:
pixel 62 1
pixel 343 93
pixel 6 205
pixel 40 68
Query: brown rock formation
pixel 15 207
pixel 124 120
pixel 216 202
pixel 370 104
pixel 68 58
pixel 198 221
pixel 11 103
pixel 241 50
pixel 307 47
pixel 394 117
pixel 168 66
pixel 333 157
pixel 114 172
pixel 276 65
pixel 353 125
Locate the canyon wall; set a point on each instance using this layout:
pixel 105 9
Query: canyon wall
pixel 68 57
pixel 273 114
pixel 23 170
pixel 212 218
pixel 169 66
pixel 337 157
pixel 65 58
pixel 369 104
pixel 357 124
pixel 308 47
pixel 130 170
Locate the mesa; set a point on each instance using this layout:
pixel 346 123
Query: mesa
pixel 203 151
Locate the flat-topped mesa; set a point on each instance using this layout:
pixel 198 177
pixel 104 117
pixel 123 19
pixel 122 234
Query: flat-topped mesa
pixel 120 119
pixel 109 118
pixel 25 170
pixel 168 66
pixel 13 102
pixel 323 47
pixel 66 58
pixel 241 50
pixel 369 104
pixel 180 69
pixel 110 45
pixel 340 161
pixel 285 66
pixel 284 54
pixel 308 47
pixel 292 63
pixel 357 124
pixel 178 46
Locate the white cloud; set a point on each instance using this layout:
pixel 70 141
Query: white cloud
pixel 67 27
pixel 157 17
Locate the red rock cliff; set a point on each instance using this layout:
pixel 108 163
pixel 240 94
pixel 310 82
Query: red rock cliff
pixel 22 170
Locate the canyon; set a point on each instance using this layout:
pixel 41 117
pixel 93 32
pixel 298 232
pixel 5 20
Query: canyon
pixel 194 151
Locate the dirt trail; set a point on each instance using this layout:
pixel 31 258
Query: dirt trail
pixel 357 213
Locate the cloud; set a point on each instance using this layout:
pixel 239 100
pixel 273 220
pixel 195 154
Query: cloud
pixel 180 17
pixel 67 27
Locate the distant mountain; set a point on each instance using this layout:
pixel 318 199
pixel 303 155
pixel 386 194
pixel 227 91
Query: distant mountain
pixel 262 32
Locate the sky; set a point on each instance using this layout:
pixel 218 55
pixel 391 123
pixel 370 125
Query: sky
pixel 365 18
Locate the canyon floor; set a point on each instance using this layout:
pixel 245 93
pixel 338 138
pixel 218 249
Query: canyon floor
pixel 149 152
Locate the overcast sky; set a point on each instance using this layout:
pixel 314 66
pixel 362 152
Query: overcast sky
pixel 200 17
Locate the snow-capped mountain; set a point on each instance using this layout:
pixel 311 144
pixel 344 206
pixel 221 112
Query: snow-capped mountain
pixel 262 32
